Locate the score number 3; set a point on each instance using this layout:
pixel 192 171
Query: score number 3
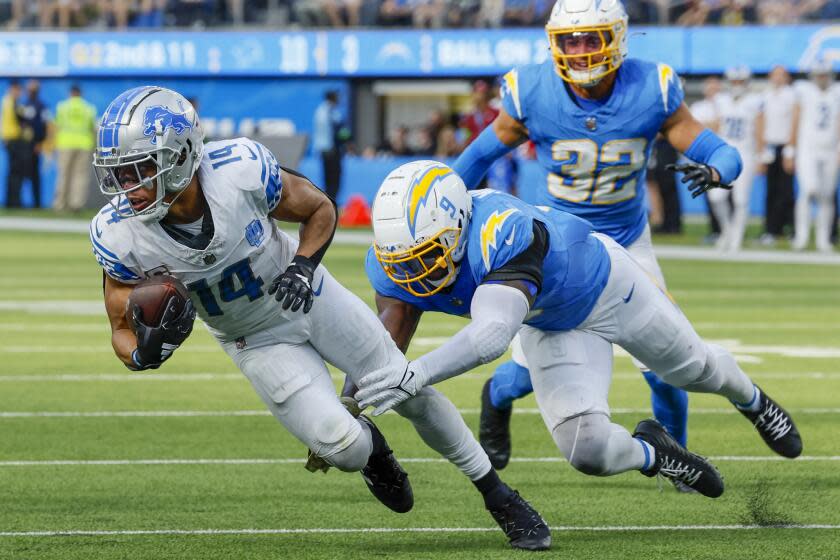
pixel 615 182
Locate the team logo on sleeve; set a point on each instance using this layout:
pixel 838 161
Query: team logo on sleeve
pixel 254 233
pixel 167 119
pixel 492 226
pixel 666 76
pixel 418 192
pixel 511 87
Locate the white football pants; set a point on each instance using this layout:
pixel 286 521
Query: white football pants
pixel 641 250
pixel 733 224
pixel 816 173
pixel 571 370
pixel 293 381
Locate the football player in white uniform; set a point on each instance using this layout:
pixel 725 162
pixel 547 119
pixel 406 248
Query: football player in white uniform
pixel 205 214
pixel 742 125
pixel 813 147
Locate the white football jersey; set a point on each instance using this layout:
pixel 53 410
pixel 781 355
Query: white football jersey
pixel 228 280
pixel 819 116
pixel 705 111
pixel 737 120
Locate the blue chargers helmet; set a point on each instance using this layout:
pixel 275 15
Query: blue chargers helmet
pixel 144 127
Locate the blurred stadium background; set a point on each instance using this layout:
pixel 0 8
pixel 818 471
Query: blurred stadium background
pixel 96 462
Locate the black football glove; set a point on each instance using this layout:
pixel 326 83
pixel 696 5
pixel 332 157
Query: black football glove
pixel 155 344
pixel 293 288
pixel 698 177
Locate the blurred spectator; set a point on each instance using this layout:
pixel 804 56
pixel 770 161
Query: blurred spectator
pixel 642 11
pixel 434 126
pixel 779 102
pixel 192 13
pixel 342 12
pixel 447 143
pixel 462 13
pixel 706 111
pixel 490 13
pixel 665 182
pixel 813 147
pixel 735 12
pixel 518 13
pixel 15 145
pixel 481 115
pixel 396 12
pixel 328 134
pixel 150 14
pixel 691 12
pixel 397 143
pixel 429 13
pixel 75 125
pixel 308 13
pixel 35 122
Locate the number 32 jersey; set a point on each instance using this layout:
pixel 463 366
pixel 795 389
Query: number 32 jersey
pixel 240 180
pixel 595 153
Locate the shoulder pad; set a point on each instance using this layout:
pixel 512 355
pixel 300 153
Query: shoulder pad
pixel 500 236
pixel 670 88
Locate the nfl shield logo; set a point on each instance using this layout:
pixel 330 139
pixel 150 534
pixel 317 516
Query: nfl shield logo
pixel 254 233
pixel 591 123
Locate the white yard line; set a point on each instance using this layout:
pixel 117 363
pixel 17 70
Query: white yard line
pixel 358 530
pixel 301 460
pixel 261 412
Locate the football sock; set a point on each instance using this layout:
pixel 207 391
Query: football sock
pixel 495 491
pixel 650 454
pixel 754 404
pixel 378 444
pixel 510 382
pixel 670 407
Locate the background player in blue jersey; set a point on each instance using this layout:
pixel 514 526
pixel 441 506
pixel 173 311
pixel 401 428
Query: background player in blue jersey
pixel 593 115
pixel 570 293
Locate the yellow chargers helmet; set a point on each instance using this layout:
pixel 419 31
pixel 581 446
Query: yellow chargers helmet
pixel 603 23
pixel 420 215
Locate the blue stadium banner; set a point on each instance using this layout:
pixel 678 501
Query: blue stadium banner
pixel 383 53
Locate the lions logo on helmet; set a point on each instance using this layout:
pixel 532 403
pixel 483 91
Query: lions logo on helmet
pixel 419 215
pixel 152 134
pixel 588 39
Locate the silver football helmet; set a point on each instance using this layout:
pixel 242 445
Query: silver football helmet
pixel 149 138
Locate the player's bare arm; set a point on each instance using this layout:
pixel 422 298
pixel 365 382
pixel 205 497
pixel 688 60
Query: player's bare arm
pixel 718 163
pixel 122 337
pixel 307 205
pixel 400 319
pixel 509 131
pixel 303 203
pixel 494 142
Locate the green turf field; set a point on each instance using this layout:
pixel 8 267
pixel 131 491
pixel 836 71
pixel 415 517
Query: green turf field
pixel 183 463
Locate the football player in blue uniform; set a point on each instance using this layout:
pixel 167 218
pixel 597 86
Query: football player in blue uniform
pixel 593 114
pixel 571 294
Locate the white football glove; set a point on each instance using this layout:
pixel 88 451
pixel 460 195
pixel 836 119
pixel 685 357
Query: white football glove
pixel 390 386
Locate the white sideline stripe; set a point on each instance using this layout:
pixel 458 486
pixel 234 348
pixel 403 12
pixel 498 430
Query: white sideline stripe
pixel 350 530
pixel 260 412
pixel 366 238
pixel 300 461
pixel 103 327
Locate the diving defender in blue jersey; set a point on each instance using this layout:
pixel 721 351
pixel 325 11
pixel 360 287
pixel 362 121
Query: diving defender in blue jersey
pixel 593 115
pixel 570 293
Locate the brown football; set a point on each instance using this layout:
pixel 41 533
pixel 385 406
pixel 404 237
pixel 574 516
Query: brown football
pixel 152 295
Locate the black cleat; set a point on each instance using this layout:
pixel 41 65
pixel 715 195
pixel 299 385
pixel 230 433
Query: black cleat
pixel 384 476
pixel 775 426
pixel 523 525
pixel 675 462
pixel 494 430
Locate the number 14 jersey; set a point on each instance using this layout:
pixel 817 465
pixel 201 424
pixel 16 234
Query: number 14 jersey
pixel 228 280
pixel 595 152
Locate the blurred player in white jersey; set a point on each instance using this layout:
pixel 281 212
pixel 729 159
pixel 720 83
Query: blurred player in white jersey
pixel 742 125
pixel 815 143
pixel 205 214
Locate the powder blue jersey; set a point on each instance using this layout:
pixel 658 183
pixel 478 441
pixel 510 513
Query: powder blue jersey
pixel 595 153
pixel 575 268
